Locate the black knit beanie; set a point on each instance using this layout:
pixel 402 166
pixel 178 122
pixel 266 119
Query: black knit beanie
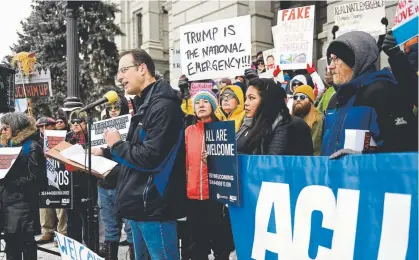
pixel 343 52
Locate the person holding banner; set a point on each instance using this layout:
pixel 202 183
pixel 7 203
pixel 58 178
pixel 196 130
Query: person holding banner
pixel 151 187
pixel 19 190
pixel 208 220
pixel 107 195
pixel 268 127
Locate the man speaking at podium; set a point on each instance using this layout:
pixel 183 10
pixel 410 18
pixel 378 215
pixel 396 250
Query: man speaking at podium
pixel 151 189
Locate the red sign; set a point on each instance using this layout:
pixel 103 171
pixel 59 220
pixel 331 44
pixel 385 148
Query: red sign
pixel 33 90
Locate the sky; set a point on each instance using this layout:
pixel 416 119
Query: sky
pixel 11 13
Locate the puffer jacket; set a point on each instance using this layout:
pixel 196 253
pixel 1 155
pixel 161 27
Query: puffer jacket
pixel 236 115
pixel 196 170
pixel 19 190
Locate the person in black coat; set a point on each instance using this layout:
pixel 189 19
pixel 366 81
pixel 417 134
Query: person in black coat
pixel 268 128
pixel 19 190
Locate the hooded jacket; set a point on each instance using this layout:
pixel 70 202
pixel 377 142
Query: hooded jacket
pixel 110 180
pixel 370 101
pixel 237 115
pixel 152 181
pixel 19 190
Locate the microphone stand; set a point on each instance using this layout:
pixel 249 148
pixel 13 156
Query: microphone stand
pixel 92 210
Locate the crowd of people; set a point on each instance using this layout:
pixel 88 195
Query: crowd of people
pixel 162 173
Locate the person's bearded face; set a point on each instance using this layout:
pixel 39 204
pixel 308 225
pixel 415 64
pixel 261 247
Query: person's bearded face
pixel 301 108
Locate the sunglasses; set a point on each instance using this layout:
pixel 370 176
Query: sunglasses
pixel 301 97
pixel 59 122
pixel 110 108
pixel 77 121
pixel 260 63
pixel 4 128
pixel 294 84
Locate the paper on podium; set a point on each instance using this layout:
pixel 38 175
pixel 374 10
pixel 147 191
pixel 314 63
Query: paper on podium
pixel 55 153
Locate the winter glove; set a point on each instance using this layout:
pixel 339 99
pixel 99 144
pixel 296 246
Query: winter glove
pixel 250 74
pixel 389 45
pixel 343 152
pixel 311 69
pixel 277 71
pixel 184 86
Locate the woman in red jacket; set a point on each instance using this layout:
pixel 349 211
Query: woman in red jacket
pixel 208 220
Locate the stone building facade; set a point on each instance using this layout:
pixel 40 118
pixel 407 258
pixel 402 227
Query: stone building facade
pixel 154 25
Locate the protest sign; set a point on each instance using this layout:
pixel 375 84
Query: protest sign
pixel 405 23
pixel 175 65
pixel 38 85
pixel 363 16
pixel 59 192
pixel 223 178
pixel 293 37
pixel 218 49
pixel 70 249
pixel 7 159
pixel 121 123
pixel 270 59
pixel 198 86
pixel 358 207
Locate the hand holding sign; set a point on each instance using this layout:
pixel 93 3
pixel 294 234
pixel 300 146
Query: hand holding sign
pixel 112 136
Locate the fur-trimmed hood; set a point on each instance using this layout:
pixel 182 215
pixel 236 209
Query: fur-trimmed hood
pixel 23 135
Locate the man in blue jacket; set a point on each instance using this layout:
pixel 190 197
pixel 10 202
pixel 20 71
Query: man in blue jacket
pixel 151 189
pixel 366 99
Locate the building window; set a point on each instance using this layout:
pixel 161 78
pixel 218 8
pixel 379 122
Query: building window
pixel 140 29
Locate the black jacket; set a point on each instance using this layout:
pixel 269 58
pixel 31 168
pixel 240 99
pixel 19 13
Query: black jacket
pixel 19 190
pixel 152 182
pixel 110 180
pixel 287 138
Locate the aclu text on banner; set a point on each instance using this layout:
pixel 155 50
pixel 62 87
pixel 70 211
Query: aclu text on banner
pixel 405 23
pixel 121 123
pixel 216 49
pixel 220 145
pixel 70 249
pixel 361 16
pixel 293 37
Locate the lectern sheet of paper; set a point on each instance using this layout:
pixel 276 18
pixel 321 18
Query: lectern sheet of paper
pixel 77 154
pixel 7 159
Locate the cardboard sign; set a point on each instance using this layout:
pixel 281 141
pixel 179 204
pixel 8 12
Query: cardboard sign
pixel 58 193
pixel 405 23
pixel 218 49
pixel 223 178
pixel 198 86
pixel 361 16
pixel 70 249
pixel 121 123
pixel 293 37
pixel 7 159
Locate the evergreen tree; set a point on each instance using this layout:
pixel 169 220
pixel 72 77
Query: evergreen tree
pixel 44 32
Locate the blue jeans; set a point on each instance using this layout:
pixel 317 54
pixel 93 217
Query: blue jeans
pixel 155 240
pixel 113 225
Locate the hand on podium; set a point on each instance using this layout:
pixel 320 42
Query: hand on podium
pixel 97 151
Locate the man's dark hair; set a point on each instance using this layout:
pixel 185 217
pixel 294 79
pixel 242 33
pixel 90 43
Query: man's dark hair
pixel 140 56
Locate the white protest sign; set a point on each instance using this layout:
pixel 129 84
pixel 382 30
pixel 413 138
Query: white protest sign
pixel 198 86
pixel 70 249
pixel 270 59
pixel 216 49
pixel 293 37
pixel 176 62
pixel 121 123
pixel 405 23
pixel 7 159
pixel 361 16
pixel 51 139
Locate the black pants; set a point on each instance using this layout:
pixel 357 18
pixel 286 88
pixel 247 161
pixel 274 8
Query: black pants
pixel 20 243
pixel 77 227
pixel 209 224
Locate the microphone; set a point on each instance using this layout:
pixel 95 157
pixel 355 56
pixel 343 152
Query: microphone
pixel 109 97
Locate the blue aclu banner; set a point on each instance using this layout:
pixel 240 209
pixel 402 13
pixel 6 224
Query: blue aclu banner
pixel 223 179
pixel 358 207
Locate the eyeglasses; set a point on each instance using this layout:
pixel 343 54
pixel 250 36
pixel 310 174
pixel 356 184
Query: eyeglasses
pixel 227 97
pixel 125 69
pixel 77 121
pixel 110 108
pixel 260 63
pixel 59 122
pixel 301 97
pixel 4 128
pixel 335 60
